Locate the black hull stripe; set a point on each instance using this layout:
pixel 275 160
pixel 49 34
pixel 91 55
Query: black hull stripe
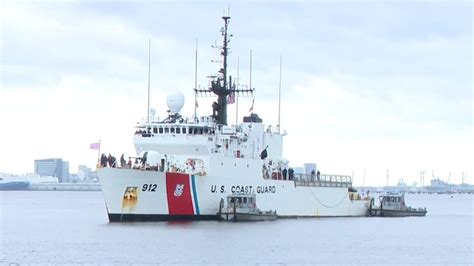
pixel 114 217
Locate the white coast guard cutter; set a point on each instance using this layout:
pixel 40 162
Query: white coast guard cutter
pixel 189 166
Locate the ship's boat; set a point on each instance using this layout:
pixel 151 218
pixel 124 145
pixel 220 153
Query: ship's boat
pixel 185 166
pixel 393 205
pixel 243 207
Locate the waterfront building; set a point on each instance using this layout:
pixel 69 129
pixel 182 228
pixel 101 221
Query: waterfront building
pixel 55 167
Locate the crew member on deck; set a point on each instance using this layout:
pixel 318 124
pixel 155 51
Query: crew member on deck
pixel 291 173
pixel 122 161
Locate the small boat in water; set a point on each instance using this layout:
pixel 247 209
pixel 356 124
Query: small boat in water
pixel 243 207
pixel 393 205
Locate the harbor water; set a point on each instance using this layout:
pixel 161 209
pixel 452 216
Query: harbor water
pixel 72 227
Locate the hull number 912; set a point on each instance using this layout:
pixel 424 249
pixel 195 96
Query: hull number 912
pixel 149 187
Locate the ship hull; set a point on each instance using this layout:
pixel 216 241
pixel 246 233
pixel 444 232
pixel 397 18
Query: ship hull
pixel 402 213
pixel 14 186
pixel 136 195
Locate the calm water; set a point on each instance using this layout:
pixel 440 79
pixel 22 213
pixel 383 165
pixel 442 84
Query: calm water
pixel 72 227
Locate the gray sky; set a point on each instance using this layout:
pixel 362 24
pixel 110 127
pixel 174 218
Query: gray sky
pixel 366 85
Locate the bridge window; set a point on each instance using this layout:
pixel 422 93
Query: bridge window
pixel 161 130
pixel 178 130
pixel 167 130
pixel 155 130
pixel 184 130
pixel 172 130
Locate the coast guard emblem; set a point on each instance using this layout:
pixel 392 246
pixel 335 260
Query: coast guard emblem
pixel 178 191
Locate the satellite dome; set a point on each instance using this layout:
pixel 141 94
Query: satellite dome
pixel 175 101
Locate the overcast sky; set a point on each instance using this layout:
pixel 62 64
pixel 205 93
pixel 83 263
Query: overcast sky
pixel 366 85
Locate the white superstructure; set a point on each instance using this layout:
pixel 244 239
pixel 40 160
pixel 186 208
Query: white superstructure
pixel 187 167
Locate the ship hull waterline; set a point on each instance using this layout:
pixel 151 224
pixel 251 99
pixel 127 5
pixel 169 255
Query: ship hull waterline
pixel 138 195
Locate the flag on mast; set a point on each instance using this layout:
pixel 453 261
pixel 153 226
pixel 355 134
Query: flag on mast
pixel 231 98
pixel 95 146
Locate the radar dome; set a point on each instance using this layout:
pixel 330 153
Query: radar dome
pixel 175 101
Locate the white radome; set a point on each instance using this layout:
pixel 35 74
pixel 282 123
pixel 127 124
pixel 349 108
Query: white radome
pixel 175 101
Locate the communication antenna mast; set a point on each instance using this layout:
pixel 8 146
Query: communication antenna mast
pixel 149 66
pixel 250 82
pixel 237 95
pixel 195 80
pixel 279 98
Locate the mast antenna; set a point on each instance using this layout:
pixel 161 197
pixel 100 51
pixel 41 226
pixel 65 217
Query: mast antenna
pixel 237 95
pixel 149 66
pixel 250 83
pixel 279 99
pixel 195 80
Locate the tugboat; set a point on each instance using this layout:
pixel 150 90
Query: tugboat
pixel 393 205
pixel 243 207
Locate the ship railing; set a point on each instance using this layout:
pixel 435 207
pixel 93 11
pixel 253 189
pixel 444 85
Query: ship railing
pixel 322 180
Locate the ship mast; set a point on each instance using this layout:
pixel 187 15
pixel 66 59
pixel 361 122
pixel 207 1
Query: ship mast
pixel 220 86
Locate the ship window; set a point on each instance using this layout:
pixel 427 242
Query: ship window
pixel 178 130
pixel 167 130
pixel 161 130
pixel 172 130
pixel 184 130
pixel 155 130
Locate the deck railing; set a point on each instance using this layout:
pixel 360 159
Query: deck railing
pixel 323 180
